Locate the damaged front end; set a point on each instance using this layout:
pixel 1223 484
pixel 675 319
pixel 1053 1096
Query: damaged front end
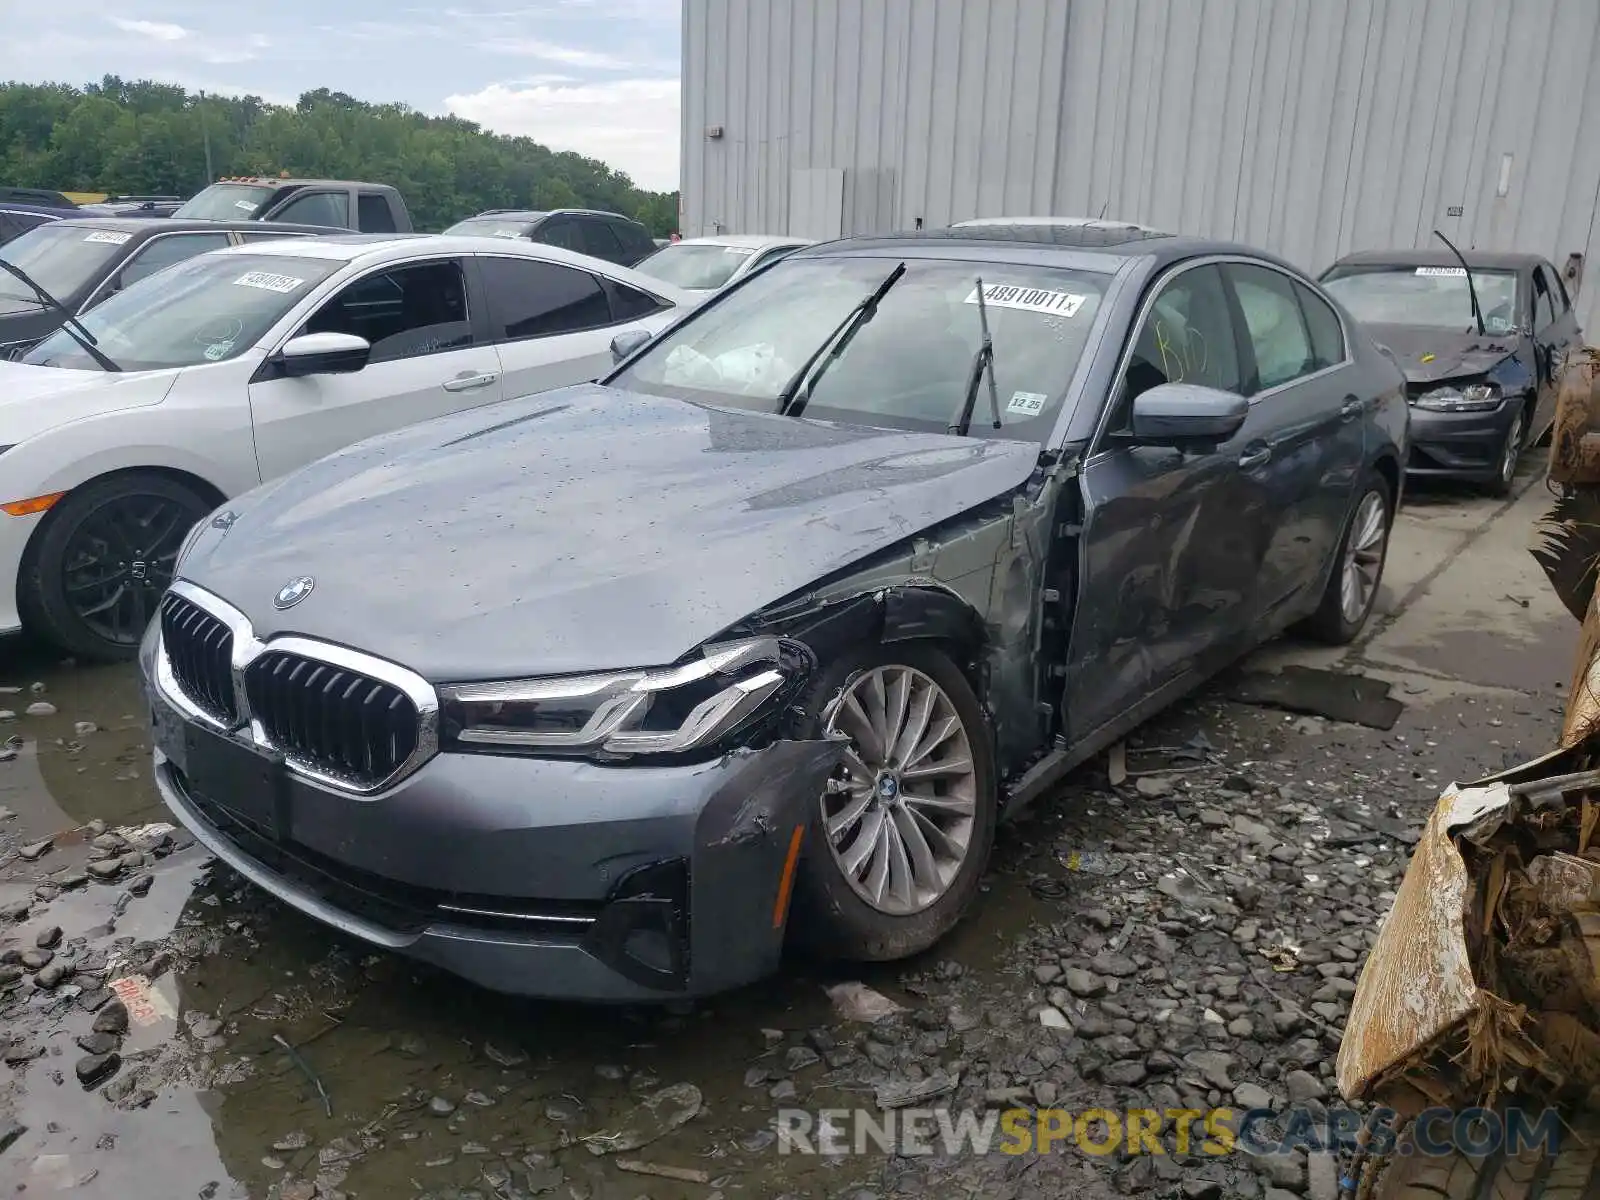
pixel 1483 985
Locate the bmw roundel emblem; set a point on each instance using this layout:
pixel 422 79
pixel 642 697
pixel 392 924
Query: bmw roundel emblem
pixel 293 592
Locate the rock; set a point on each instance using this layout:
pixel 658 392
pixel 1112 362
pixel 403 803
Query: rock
pixel 1278 1194
pixel 1045 1093
pixel 1242 1028
pixel 123 1086
pixel 799 1058
pixel 1082 983
pixel 1303 1086
pixel 98 1043
pixel 1285 1171
pixel 35 850
pixel 1053 1018
pixel 9 974
pixel 14 910
pixel 1119 966
pixel 106 868
pixel 49 937
pixel 783 1091
pixel 84 728
pixel 1251 1095
pixel 69 879
pixel 1123 1074
pixel 94 998
pixel 1214 818
pixel 858 1002
pixel 290 1142
pixel 1213 1068
pixel 41 708
pixel 1046 973
pixel 655 1116
pixel 97 1068
pixel 53 976
pixel 1201 1189
pixel 1322 1177
pixel 440 1106
pixel 504 1056
pixel 33 960
pixel 140 885
pixel 1154 786
pixel 10 1131
pixel 113 1018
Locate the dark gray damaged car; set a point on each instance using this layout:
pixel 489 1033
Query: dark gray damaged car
pixel 606 692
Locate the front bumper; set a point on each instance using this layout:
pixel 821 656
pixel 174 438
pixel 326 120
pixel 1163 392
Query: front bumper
pixel 541 877
pixel 1465 445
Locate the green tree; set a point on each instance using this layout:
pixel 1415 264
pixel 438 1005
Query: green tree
pixel 128 136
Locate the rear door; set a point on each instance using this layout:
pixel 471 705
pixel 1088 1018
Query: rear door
pixel 1305 434
pixel 1555 331
pixel 1168 552
pixel 428 359
pixel 599 240
pixel 552 324
pixel 374 214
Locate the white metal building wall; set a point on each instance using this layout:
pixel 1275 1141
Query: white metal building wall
pixel 1309 127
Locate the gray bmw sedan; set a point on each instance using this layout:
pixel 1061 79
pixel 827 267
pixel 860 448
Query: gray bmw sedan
pixel 611 691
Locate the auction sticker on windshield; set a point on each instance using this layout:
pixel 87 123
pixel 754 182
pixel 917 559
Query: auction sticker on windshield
pixel 1010 295
pixel 1443 272
pixel 109 236
pixel 267 281
pixel 1028 403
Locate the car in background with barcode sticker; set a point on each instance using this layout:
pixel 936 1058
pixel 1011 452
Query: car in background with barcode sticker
pixel 608 692
pixel 81 261
pixel 1480 337
pixel 155 399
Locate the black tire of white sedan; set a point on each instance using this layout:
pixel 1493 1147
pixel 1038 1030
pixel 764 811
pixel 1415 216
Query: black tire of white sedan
pixel 95 574
pixel 899 840
pixel 1510 455
pixel 1352 587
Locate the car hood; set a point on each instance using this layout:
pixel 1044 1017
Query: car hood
pixel 34 399
pixel 1431 355
pixel 582 529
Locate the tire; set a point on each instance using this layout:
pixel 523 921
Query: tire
pixel 1573 1173
pixel 1330 623
pixel 1510 455
pixel 56 585
pixel 833 919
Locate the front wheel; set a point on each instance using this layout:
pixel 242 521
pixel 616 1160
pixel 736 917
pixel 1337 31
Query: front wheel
pixel 1510 455
pixel 1352 588
pixel 1506 1173
pixel 899 839
pixel 102 559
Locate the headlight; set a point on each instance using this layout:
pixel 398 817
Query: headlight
pixel 729 688
pixel 1474 397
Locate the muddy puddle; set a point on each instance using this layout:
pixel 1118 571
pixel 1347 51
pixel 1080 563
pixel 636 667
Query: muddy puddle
pixel 265 1056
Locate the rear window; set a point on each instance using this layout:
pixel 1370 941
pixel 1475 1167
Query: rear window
pixel 502 227
pixel 373 213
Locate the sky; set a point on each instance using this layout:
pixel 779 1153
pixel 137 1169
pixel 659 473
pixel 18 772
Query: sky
pixel 596 76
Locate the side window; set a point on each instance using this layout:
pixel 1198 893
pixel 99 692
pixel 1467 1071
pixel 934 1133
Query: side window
pixel 599 241
pixel 319 208
pixel 635 238
pixel 405 312
pixel 1276 329
pixel 1327 338
pixel 772 256
pixel 629 304
pixel 529 299
pixel 563 232
pixel 9 228
pixel 1187 337
pixel 373 214
pixel 1544 313
pixel 161 252
pixel 272 237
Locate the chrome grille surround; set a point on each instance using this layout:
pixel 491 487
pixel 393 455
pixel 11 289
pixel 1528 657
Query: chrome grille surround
pixel 247 649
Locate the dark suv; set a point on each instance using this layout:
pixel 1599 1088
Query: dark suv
pixel 606 235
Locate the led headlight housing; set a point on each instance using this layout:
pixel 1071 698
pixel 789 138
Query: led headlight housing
pixel 1472 397
pixel 697 706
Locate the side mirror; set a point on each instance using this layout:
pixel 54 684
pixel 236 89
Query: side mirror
pixel 323 354
pixel 624 344
pixel 1187 416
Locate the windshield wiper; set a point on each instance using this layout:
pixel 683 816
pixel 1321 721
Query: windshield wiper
pixel 788 404
pixel 69 322
pixel 1477 312
pixel 982 364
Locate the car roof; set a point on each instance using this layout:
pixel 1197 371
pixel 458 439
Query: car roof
pixel 375 248
pixel 40 210
pixel 1487 260
pixel 538 214
pixel 296 181
pixel 744 241
pixel 155 225
pixel 1064 222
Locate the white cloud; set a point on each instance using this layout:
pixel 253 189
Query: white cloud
pixel 156 31
pixel 631 124
pixel 567 56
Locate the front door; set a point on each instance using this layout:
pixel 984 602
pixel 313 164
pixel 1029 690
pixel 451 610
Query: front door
pixel 1308 427
pixel 1555 331
pixel 426 361
pixel 1171 542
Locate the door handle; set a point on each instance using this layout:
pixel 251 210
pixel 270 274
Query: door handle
pixel 1259 457
pixel 467 382
pixel 1352 409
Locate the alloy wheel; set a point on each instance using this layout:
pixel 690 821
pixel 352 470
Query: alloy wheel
pixel 119 561
pixel 899 814
pixel 1512 452
pixel 1363 557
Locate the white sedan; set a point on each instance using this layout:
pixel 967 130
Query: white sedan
pixel 706 264
pixel 236 366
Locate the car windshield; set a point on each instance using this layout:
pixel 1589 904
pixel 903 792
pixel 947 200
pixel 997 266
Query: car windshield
pixel 907 367
pixel 207 309
pixel 61 258
pixel 1438 297
pixel 504 227
pixel 699 268
pixel 225 202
